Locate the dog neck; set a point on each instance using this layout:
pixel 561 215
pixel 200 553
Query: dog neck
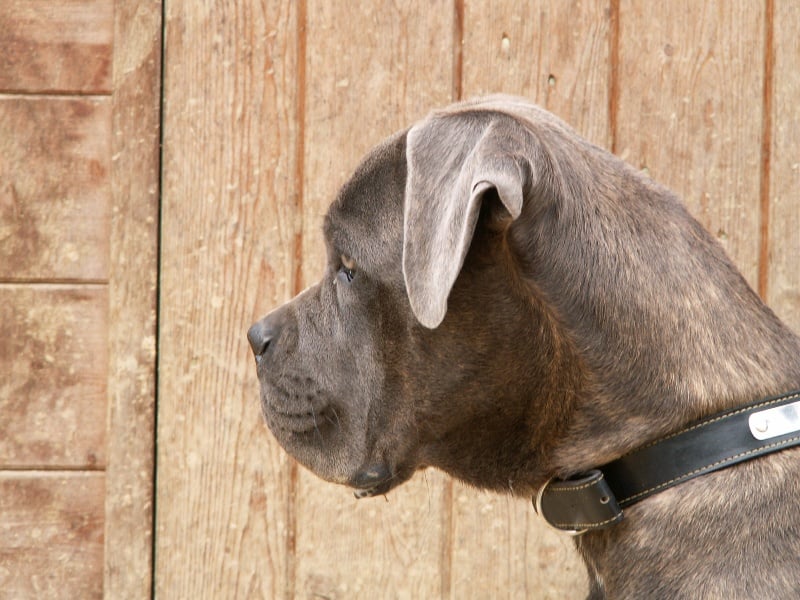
pixel 596 499
pixel 659 325
pixel 680 336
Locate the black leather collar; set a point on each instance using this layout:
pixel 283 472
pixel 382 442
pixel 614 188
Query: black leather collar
pixel 595 499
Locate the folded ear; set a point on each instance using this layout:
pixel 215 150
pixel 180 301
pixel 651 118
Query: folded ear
pixel 453 161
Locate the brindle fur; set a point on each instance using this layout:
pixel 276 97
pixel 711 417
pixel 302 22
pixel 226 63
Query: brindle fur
pixel 573 311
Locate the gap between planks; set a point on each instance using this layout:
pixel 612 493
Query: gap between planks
pixel 57 94
pixel 10 284
pixel 50 469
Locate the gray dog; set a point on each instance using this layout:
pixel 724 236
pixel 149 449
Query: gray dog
pixel 508 303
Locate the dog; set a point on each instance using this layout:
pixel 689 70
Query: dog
pixel 509 303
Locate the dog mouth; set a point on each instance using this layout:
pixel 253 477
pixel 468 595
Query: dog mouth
pixel 295 412
pixel 302 422
pixel 322 436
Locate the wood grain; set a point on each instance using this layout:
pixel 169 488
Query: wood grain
pixel 553 53
pixel 54 188
pixel 56 46
pixel 371 69
pixel 53 346
pixel 228 231
pixel 783 291
pixel 503 549
pixel 132 299
pixel 360 93
pixel 51 525
pixel 556 54
pixel 268 108
pixel 388 547
pixel 690 106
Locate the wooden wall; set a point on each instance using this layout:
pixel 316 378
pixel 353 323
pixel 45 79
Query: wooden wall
pixel 79 92
pixel 268 107
pixel 264 108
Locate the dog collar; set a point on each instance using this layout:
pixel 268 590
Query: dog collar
pixel 595 499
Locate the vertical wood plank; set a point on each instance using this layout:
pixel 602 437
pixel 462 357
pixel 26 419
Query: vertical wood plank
pixel 374 548
pixel 553 53
pixel 228 229
pixel 783 292
pixel 132 299
pixel 52 532
pixel 502 549
pixel 690 106
pixel 371 69
pixel 556 54
pixel 61 46
pixel 54 359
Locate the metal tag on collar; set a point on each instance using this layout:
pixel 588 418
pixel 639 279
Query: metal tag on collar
pixel 775 422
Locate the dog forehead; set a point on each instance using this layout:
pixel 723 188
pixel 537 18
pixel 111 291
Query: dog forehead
pixel 367 213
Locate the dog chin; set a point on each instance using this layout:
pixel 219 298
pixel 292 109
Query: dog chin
pixel 378 479
pixel 323 449
pixel 372 480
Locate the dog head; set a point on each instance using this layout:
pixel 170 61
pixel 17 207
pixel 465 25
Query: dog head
pixel 494 284
pixel 420 346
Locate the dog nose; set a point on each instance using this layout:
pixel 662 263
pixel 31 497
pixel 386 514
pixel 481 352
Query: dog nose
pixel 261 336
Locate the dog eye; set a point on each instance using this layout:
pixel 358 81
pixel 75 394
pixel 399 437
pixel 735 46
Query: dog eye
pixel 347 269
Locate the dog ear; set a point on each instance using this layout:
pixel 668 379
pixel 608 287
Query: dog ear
pixel 453 160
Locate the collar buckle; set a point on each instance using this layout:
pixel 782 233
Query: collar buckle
pixel 579 504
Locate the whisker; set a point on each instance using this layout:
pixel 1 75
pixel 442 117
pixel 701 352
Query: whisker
pixel 316 426
pixel 335 419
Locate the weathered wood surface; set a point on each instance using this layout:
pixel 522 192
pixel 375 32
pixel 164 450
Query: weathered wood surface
pixel 268 108
pixel 403 62
pixel 74 350
pixel 783 258
pixel 690 111
pixel 558 57
pixel 54 188
pixel 229 229
pixel 51 527
pixel 53 353
pixel 502 549
pixel 56 46
pixel 132 299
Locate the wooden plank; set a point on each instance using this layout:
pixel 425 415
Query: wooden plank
pixel 783 291
pixel 133 299
pixel 54 192
pixel 53 345
pixel 51 525
pixel 56 46
pixel 353 104
pixel 510 552
pixel 556 54
pixel 373 548
pixel 356 95
pixel 690 110
pixel 228 234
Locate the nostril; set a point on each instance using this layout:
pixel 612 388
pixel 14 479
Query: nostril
pixel 259 340
pixel 262 349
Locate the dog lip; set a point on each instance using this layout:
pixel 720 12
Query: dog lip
pixel 302 422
